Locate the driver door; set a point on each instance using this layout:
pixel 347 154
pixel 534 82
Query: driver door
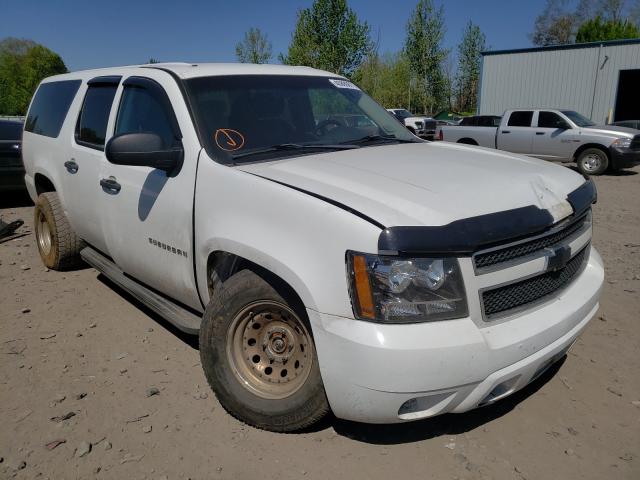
pixel 147 212
pixel 554 139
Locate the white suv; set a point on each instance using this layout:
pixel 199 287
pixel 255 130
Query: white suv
pixel 322 265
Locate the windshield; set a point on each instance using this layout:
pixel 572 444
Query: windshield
pixel 246 118
pixel 578 119
pixel 403 113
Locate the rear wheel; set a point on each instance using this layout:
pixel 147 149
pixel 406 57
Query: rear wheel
pixel 593 161
pixel 259 357
pixel 57 243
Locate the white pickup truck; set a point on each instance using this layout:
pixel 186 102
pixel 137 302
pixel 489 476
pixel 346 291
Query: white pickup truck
pixel 556 135
pixel 421 126
pixel 323 267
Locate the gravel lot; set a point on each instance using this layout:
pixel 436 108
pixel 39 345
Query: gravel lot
pixel 125 394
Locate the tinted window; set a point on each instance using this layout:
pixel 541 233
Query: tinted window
pixel 520 119
pixel 10 130
pixel 141 111
pixel 50 107
pixel 551 120
pixel 91 128
pixel 469 121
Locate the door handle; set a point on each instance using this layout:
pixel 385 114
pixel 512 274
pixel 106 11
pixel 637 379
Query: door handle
pixel 539 133
pixel 71 166
pixel 506 131
pixel 110 185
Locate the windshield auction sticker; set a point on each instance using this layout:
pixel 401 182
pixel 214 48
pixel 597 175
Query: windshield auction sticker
pixel 228 139
pixel 343 84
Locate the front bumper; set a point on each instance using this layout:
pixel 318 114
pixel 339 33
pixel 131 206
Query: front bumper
pixel 624 158
pixel 378 373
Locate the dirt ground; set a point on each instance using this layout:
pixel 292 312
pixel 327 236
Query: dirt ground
pixel 79 361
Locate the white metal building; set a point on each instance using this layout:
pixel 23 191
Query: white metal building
pixel 600 80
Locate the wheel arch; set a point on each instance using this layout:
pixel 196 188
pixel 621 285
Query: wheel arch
pixel 43 183
pixel 586 146
pixel 467 141
pixel 223 264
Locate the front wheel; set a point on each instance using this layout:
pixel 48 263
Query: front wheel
pixel 593 161
pixel 259 357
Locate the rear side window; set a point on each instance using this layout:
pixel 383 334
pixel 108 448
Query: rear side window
pixel 10 130
pixel 50 107
pixel 520 119
pixel 91 128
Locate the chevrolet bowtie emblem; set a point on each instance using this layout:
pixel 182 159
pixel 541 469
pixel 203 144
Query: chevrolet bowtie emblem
pixel 557 257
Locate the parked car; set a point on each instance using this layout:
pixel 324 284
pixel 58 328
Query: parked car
pixel 556 135
pixel 379 276
pixel 11 168
pixel 424 127
pixel 628 123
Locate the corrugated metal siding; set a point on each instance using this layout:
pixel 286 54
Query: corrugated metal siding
pixel 556 79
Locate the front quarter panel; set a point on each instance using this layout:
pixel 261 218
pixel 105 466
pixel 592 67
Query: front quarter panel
pixel 300 238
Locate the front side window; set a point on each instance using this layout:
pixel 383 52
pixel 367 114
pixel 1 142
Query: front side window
pixel 91 128
pixel 520 119
pixel 241 116
pixel 143 111
pixel 50 106
pixel 551 120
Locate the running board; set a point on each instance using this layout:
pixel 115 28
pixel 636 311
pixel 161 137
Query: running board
pixel 179 316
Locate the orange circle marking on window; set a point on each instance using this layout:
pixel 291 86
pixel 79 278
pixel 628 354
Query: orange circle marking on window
pixel 228 139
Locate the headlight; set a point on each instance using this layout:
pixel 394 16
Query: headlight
pixel 405 290
pixel 621 143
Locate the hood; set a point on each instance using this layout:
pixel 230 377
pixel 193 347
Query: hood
pixel 426 183
pixel 611 130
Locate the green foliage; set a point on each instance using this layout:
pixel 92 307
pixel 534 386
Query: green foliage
pixel 469 62
pixel 23 64
pixel 386 79
pixel 425 31
pixel 255 48
pixel 597 30
pixel 329 36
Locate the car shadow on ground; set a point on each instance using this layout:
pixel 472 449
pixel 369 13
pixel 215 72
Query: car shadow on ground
pixel 190 340
pixel 440 426
pixel 15 199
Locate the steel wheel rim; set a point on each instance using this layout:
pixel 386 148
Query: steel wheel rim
pixel 43 234
pixel 591 162
pixel 269 350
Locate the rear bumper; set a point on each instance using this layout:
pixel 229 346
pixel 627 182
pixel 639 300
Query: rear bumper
pixel 393 373
pixel 624 158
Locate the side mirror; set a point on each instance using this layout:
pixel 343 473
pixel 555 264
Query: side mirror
pixel 143 150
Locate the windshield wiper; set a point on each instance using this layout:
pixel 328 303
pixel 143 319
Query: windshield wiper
pixel 293 146
pixel 376 138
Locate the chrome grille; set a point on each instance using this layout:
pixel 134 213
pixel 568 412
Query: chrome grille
pixel 528 247
pixel 635 143
pixel 501 300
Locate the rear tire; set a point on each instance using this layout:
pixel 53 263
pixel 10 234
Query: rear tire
pixel 259 357
pixel 593 161
pixel 57 243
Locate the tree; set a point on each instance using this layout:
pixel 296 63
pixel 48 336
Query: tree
pixel 153 60
pixel 255 48
pixel 23 64
pixel 469 61
pixel 597 30
pixel 386 79
pixel 425 31
pixel 555 25
pixel 329 36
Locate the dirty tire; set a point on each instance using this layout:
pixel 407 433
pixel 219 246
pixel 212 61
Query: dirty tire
pixel 239 298
pixel 57 243
pixel 593 161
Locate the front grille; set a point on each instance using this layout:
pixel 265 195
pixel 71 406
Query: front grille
pixel 483 260
pixel 635 143
pixel 502 299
